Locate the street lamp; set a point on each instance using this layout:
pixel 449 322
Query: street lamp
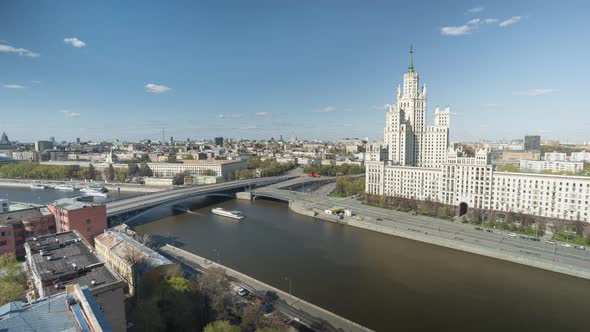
pixel 290 289
pixel 218 256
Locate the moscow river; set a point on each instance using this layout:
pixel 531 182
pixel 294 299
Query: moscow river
pixel 380 281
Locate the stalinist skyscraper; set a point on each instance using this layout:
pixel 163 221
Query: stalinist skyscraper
pixel 409 140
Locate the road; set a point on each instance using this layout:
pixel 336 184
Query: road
pixel 456 232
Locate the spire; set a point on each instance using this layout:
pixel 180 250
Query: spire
pixel 411 67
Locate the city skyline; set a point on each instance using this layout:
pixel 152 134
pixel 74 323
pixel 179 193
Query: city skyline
pixel 324 71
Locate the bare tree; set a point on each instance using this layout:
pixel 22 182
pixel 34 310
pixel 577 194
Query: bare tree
pixel 215 285
pixel 251 318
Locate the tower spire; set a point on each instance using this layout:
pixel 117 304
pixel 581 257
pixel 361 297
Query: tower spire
pixel 411 66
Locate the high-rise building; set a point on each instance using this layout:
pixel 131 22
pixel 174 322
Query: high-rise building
pixel 532 143
pixel 416 161
pixel 219 141
pixel 41 146
pixel 52 139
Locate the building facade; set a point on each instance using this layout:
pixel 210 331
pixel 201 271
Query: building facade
pixel 22 222
pixel 553 166
pixel 87 218
pixel 532 143
pixel 416 161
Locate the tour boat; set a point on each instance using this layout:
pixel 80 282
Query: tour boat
pixel 229 214
pixel 37 186
pixel 66 187
pixel 94 193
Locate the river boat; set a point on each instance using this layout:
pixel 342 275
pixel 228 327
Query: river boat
pixel 38 186
pixel 226 213
pixel 65 187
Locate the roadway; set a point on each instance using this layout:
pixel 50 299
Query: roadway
pixel 428 227
pixel 157 198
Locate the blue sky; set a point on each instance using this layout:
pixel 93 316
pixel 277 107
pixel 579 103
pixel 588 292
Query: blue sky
pixel 256 69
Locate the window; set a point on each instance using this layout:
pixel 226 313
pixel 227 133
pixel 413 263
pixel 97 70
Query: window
pixel 2 243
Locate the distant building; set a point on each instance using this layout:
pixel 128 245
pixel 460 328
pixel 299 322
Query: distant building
pixel 57 155
pixel 555 156
pixel 532 143
pixel 554 166
pixel 58 260
pixel 507 156
pixel 111 158
pixel 202 179
pixel 87 218
pixel 4 139
pixel 154 181
pixel 19 221
pixel 74 310
pixel 41 146
pixel 24 155
pixel 220 167
pixel 132 260
pixel 580 156
pixel 219 141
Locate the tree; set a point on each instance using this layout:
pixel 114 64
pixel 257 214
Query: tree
pixel 270 329
pixel 91 173
pixel 188 157
pixel 109 173
pixel 12 279
pixel 215 284
pixel 221 326
pixel 178 179
pixel 121 175
pixel 209 172
pixel 145 170
pixel 251 317
pixel 132 170
pixel 172 158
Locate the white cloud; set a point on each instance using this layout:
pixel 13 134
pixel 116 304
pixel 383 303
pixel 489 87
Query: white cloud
pixel 20 51
pixel 490 20
pixel 475 10
pixel 535 92
pixel 456 31
pixel 263 113
pixel 229 116
pixel 512 20
pixel 474 21
pixel 74 42
pixel 12 86
pixel 331 109
pixel 154 88
pixel 382 108
pixel 70 114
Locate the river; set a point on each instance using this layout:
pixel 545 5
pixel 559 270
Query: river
pixel 380 281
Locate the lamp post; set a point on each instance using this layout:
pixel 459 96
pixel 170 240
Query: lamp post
pixel 218 256
pixel 290 289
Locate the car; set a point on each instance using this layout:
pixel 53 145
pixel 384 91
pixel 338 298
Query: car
pixel 241 291
pixel 479 228
pixel 580 247
pixel 379 219
pixel 566 245
pixel 498 232
pixel 267 308
pixel 489 230
pixel 524 237
pixel 536 239
pixel 511 234
pixel 550 242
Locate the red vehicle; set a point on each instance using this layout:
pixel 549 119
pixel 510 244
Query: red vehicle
pixel 313 175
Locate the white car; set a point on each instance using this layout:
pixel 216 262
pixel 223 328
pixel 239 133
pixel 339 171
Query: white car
pixel 511 234
pixel 550 242
pixel 498 232
pixel 566 245
pixel 241 291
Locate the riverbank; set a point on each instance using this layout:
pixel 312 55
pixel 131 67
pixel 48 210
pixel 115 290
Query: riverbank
pixel 291 305
pixel 455 243
pixel 110 186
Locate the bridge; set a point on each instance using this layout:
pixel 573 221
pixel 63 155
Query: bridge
pixel 128 206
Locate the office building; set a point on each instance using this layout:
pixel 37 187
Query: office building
pixel 87 218
pixel 532 143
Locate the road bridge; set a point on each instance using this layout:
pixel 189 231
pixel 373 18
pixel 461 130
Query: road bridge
pixel 128 206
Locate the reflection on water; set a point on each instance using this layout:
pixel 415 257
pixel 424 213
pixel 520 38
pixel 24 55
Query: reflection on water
pixel 44 196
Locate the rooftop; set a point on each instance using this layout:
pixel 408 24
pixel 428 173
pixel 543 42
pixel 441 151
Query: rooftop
pixel 66 258
pixel 24 212
pixel 58 313
pixel 121 244
pixel 73 203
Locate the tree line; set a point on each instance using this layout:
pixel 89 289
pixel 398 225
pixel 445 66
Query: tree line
pixel 35 171
pixel 333 170
pixel 348 186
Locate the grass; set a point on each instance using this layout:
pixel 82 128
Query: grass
pixel 508 227
pixel 571 238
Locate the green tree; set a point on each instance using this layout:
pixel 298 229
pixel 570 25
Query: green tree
pixel 209 172
pixel 508 168
pixel 110 173
pixel 172 158
pixel 221 326
pixel 188 157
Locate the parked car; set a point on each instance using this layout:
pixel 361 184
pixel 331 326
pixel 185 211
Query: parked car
pixel 550 242
pixel 536 239
pixel 580 247
pixel 524 237
pixel 512 235
pixel 267 308
pixel 241 291
pixel 479 228
pixel 498 232
pixel 565 245
pixel 489 230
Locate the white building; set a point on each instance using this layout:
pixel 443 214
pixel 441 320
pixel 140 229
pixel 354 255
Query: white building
pixel 554 166
pixel 577 156
pixel 555 156
pixel 415 161
pixel 220 167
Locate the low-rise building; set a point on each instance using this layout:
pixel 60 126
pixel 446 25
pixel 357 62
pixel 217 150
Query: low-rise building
pixel 553 166
pixel 58 260
pixel 155 181
pixel 219 167
pixel 74 310
pixel 132 260
pixel 577 156
pixel 88 218
pixel 202 179
pixel 555 156
pixel 19 221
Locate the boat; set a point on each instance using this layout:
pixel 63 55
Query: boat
pixel 95 194
pixel 65 187
pixel 92 190
pixel 37 186
pixel 226 213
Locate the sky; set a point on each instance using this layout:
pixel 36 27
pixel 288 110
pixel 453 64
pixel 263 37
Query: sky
pixel 106 70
